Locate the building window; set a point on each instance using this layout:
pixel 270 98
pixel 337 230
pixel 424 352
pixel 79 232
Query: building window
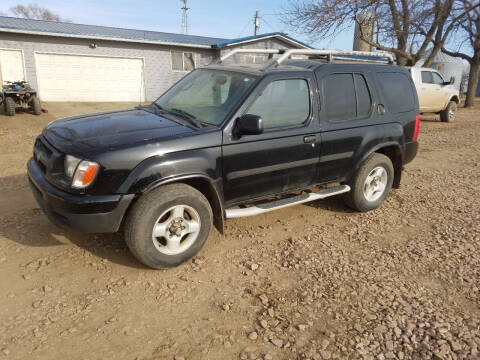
pixel 183 61
pixel 255 59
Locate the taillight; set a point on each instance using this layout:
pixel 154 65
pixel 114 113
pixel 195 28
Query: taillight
pixel 416 130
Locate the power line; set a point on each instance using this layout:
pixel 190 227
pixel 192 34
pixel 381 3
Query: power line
pixel 266 22
pixel 244 28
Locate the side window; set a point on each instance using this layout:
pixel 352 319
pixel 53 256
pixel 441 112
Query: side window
pixel 397 91
pixel 177 60
pixel 427 77
pixel 364 100
pixel 340 102
pixel 437 79
pixel 283 103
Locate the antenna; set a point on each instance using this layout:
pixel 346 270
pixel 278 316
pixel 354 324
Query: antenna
pixel 184 17
pixel 256 23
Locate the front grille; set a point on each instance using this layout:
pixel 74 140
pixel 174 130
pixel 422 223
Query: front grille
pixel 43 154
pixel 49 160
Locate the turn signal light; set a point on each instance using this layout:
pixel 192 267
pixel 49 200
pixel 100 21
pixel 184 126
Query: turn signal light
pixel 416 130
pixel 84 174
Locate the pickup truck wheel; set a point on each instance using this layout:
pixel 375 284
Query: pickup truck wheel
pixel 9 106
pixel 371 184
pixel 448 115
pixel 168 226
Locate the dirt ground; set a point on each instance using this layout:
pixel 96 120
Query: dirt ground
pixel 314 281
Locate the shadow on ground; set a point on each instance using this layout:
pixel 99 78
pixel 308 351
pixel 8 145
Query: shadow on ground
pixel 27 225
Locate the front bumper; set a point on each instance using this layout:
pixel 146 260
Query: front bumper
pixel 87 213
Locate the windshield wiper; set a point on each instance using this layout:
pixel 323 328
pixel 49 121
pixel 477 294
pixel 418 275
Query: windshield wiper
pixel 159 107
pixel 187 116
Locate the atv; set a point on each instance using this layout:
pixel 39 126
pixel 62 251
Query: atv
pixel 19 93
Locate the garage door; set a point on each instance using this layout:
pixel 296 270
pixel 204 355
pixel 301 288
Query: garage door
pixel 11 65
pixel 64 77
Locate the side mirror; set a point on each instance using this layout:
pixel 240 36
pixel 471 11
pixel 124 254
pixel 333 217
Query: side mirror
pixel 450 82
pixel 249 124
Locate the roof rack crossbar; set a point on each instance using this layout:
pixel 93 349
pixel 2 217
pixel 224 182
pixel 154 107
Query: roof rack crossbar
pixel 331 55
pixel 249 51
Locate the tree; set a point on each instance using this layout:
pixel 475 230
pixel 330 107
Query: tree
pixel 34 11
pixel 468 32
pixel 405 28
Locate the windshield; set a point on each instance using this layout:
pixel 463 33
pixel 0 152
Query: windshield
pixel 206 95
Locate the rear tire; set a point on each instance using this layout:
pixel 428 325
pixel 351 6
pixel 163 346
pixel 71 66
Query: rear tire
pixel 9 106
pixel 168 226
pixel 448 115
pixel 371 183
pixel 36 106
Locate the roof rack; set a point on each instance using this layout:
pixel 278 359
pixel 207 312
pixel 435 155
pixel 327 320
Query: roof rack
pixel 330 55
pixel 249 51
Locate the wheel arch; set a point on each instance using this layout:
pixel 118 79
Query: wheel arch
pixel 393 151
pixel 454 98
pixel 207 186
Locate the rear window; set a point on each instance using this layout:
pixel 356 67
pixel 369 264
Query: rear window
pixel 347 97
pixel 340 102
pixel 397 91
pixel 364 100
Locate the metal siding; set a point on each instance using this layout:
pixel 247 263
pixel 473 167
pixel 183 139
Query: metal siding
pixel 158 72
pixel 271 43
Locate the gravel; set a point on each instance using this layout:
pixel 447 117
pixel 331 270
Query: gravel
pixel 315 281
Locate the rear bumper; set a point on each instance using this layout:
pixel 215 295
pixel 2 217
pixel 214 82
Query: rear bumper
pixel 87 213
pixel 411 149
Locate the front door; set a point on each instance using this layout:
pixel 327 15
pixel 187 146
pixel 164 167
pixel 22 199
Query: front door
pixel 284 157
pixel 428 96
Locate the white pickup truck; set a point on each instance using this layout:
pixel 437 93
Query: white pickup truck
pixel 435 95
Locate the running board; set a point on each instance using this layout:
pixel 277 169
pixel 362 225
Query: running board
pixel 282 203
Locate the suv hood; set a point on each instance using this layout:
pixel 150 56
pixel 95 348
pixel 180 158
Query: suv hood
pixel 112 130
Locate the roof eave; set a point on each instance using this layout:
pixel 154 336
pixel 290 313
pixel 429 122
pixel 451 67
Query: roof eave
pixel 283 37
pixel 92 37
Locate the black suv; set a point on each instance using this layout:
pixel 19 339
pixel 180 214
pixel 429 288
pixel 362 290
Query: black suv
pixel 229 141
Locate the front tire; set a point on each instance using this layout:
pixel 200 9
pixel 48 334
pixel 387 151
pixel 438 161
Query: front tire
pixel 168 226
pixel 9 106
pixel 448 115
pixel 371 183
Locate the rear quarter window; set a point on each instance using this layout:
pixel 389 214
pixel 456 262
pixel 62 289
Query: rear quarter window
pixel 397 91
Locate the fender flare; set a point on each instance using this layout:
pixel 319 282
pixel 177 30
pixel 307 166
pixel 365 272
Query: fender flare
pixel 214 195
pixel 396 167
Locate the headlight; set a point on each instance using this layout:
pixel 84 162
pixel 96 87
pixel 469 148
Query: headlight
pixel 70 164
pixel 82 172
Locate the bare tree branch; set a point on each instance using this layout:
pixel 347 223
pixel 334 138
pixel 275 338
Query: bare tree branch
pixel 34 11
pixel 406 28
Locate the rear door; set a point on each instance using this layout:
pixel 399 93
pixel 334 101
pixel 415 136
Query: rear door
pixel 348 119
pixel 285 156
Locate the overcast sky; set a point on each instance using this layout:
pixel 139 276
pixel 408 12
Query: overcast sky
pixel 217 18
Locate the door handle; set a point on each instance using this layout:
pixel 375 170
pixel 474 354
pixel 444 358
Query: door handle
pixel 380 109
pixel 309 139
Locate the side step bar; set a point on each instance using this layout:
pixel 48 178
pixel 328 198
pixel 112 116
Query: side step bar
pixel 282 203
